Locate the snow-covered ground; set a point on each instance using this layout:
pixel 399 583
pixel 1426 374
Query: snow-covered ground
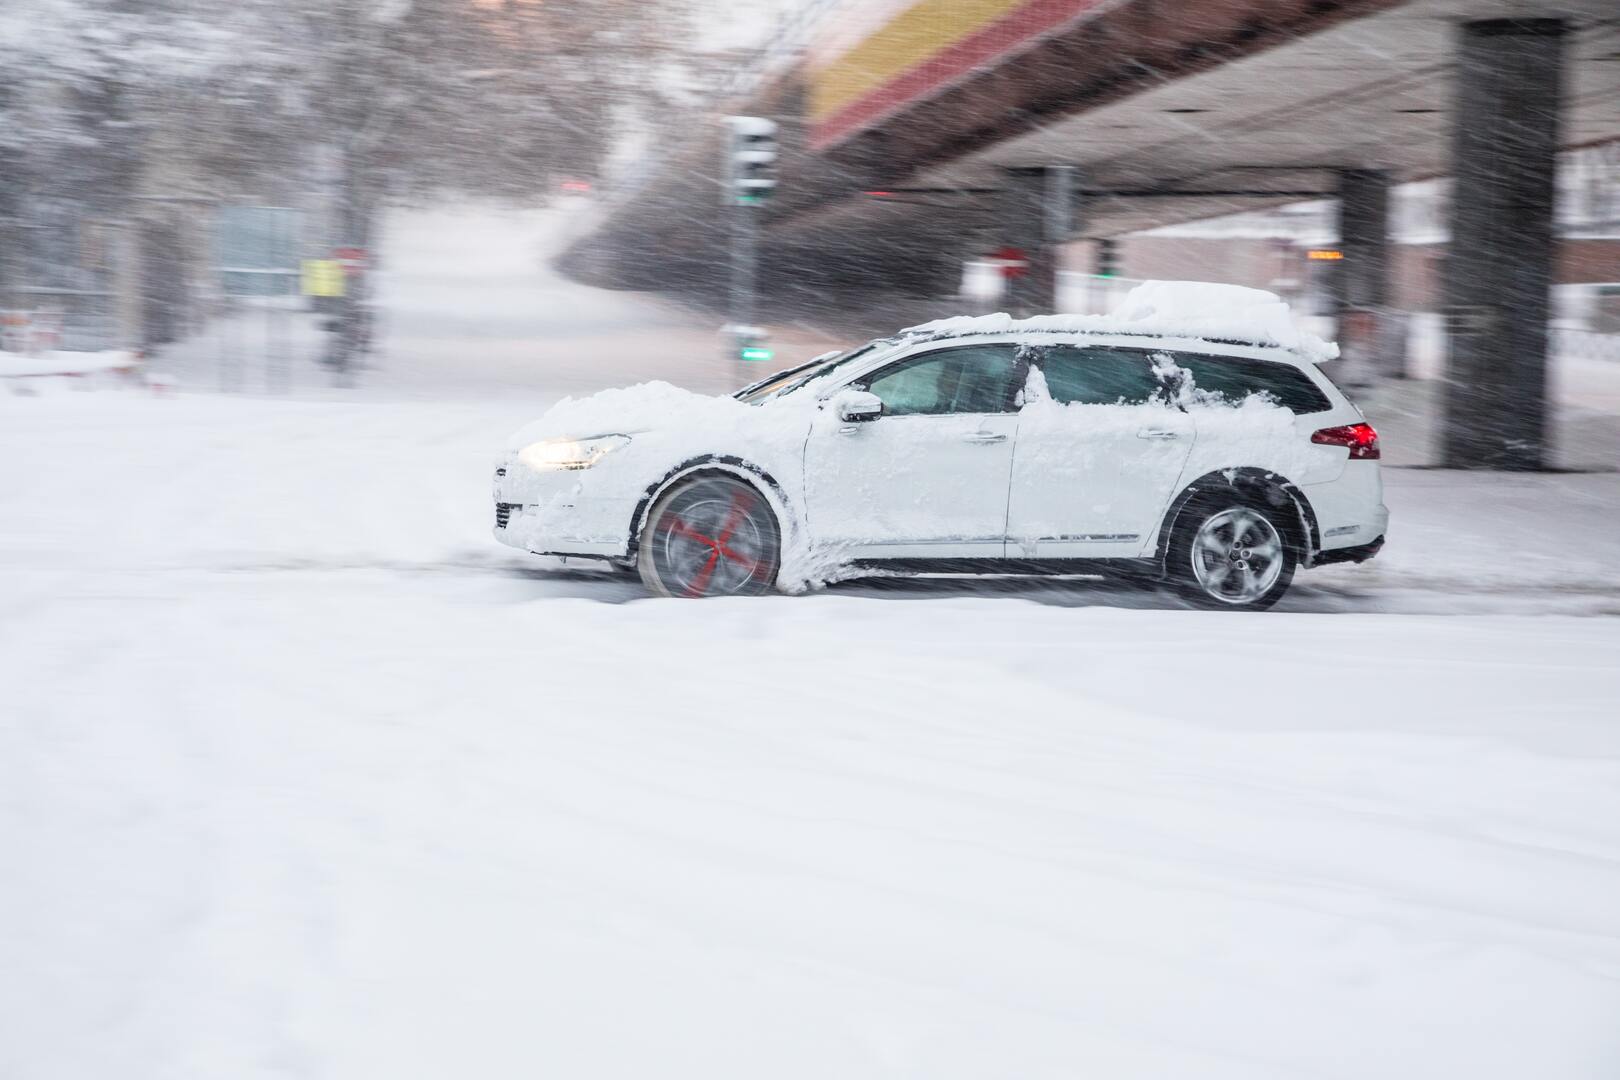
pixel 302 774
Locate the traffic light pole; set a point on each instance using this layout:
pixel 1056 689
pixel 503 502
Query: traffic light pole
pixel 749 177
pixel 1037 217
pixel 744 269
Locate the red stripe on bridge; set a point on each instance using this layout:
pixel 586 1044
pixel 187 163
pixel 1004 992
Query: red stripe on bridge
pixel 975 51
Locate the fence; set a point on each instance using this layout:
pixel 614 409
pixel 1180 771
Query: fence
pixel 63 278
pixel 257 329
pixel 31 332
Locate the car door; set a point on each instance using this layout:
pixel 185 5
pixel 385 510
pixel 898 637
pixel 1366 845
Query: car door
pixel 1101 449
pixel 928 478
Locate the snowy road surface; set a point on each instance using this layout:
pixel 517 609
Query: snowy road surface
pixel 301 774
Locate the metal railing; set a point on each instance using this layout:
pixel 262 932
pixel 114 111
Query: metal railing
pixel 1584 344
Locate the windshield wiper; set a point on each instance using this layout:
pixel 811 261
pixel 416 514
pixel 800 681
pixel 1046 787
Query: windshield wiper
pixel 784 373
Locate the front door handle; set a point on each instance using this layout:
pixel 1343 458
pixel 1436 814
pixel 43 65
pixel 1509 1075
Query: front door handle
pixel 1157 433
pixel 985 437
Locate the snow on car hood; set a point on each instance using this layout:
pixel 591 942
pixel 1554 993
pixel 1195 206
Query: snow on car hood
pixel 1198 310
pixel 630 409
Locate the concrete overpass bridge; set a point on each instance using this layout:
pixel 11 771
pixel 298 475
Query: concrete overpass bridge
pixel 917 133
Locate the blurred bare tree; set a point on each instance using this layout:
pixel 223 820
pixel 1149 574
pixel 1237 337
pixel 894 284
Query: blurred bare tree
pixel 496 97
pixel 81 85
pixel 107 102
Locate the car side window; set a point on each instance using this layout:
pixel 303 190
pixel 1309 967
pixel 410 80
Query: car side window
pixel 1097 375
pixel 1234 378
pixel 967 379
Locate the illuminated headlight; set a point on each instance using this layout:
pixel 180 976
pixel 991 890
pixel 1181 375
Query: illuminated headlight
pixel 550 455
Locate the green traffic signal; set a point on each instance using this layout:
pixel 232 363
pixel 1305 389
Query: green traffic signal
pixel 754 352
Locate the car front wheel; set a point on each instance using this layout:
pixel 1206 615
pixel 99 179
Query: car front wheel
pixel 1232 556
pixel 710 536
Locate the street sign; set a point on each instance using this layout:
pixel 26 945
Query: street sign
pixel 256 249
pixel 1011 261
pixel 353 260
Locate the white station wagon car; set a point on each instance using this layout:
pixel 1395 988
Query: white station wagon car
pixel 1191 438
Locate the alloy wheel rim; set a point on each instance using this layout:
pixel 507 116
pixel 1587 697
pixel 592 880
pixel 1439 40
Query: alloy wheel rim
pixel 1237 556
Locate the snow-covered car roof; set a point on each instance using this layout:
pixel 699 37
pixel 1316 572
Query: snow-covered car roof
pixel 1184 310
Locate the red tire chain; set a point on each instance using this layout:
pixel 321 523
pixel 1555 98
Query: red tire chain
pixel 718 546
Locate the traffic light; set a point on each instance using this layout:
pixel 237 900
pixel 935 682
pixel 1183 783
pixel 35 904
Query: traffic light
pixel 751 159
pixel 1108 257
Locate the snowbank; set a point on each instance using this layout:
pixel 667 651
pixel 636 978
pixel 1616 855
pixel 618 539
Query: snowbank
pixel 1202 311
pixel 19 365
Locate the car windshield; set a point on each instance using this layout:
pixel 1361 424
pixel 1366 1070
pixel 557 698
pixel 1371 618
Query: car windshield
pixel 785 382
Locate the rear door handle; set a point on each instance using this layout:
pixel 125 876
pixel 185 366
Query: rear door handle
pixel 1157 433
pixel 985 437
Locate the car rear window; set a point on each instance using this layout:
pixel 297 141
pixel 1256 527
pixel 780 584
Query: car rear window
pixel 1234 378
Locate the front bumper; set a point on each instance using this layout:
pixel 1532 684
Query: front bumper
pixel 550 514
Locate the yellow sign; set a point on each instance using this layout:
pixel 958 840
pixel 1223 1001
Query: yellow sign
pixel 323 277
pixel 1324 254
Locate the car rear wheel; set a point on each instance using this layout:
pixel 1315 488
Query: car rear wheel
pixel 1228 555
pixel 710 536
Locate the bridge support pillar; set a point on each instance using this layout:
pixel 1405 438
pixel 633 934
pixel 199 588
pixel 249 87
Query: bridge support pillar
pixel 1037 215
pixel 1505 132
pixel 1366 330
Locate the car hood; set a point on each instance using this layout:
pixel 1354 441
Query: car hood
pixel 650 406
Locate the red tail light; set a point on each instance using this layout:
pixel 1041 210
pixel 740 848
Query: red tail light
pixel 1360 438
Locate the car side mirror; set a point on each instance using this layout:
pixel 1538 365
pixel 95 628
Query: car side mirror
pixel 859 406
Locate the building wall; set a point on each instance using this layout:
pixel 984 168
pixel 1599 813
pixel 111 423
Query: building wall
pixel 1280 265
pixel 1588 260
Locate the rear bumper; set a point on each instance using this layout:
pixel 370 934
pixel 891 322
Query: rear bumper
pixel 1358 554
